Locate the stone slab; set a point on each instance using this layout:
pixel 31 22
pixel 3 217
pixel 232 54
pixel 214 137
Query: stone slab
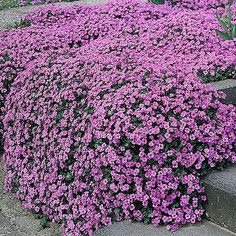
pixel 221 192
pixel 224 84
pixel 229 88
pixel 230 95
pixel 139 229
pixel 224 180
pixel 6 228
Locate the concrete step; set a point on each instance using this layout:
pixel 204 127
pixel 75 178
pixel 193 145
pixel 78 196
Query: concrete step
pixel 230 95
pixel 6 228
pixel 138 229
pixel 221 192
pixel 229 88
pixel 221 185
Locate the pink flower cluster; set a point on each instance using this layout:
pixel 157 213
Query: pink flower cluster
pixel 105 118
pixel 199 4
pixel 192 4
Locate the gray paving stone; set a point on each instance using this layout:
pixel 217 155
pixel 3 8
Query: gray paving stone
pixel 224 84
pixel 229 88
pixel 138 229
pixel 224 180
pixel 27 224
pixel 230 95
pixel 6 228
pixel 221 192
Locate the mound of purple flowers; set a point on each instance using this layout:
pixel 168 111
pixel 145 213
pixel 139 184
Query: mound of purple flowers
pixel 193 4
pixel 199 4
pixel 105 117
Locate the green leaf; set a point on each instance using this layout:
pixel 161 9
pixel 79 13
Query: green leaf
pixel 234 31
pixel 60 85
pixel 117 210
pixel 98 143
pixel 89 110
pixel 223 35
pixel 158 1
pixel 44 221
pixel 15 187
pixel 6 57
pixel 137 122
pixel 136 158
pixel 69 176
pixel 23 23
pixel 229 16
pixel 146 221
pixel 222 23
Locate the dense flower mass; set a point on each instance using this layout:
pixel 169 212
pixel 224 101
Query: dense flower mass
pixel 193 4
pixel 199 4
pixel 106 116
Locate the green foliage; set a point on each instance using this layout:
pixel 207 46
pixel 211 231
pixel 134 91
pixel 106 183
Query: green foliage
pixel 107 173
pixel 44 221
pixel 69 177
pixel 89 110
pixel 128 143
pixel 59 115
pixel 15 187
pixel 158 1
pixel 23 23
pixel 137 122
pixel 4 4
pixel 227 24
pixel 229 73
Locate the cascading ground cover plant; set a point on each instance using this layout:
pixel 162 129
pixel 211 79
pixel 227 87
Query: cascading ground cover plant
pixel 105 117
pixel 193 4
